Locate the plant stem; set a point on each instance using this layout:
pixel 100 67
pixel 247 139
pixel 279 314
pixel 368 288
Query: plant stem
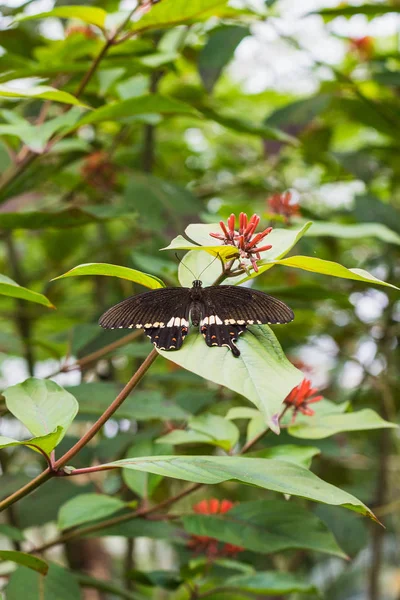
pixel 61 462
pixel 258 437
pixel 144 512
pixel 104 586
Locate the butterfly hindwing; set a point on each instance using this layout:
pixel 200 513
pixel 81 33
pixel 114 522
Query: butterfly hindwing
pixel 221 335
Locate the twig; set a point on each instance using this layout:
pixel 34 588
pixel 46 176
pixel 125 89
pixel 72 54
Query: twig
pixel 61 462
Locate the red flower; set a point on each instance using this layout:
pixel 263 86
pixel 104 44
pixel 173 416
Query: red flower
pixel 243 239
pixel 300 397
pixel 281 204
pixel 210 546
pixel 362 46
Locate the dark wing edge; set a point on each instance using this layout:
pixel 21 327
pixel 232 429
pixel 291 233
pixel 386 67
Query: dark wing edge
pixel 163 314
pixel 245 306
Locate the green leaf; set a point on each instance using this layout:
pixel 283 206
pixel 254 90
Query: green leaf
pixel 299 113
pixel 181 243
pixel 41 92
pixel 141 105
pixel 37 136
pixel 143 484
pixel 63 219
pixel 218 51
pixel 266 526
pixel 87 507
pixel 11 532
pixel 42 406
pixel 323 426
pixel 46 442
pixel 114 271
pixel 8 287
pixel 327 267
pixel 89 14
pixel 261 373
pixel 369 10
pixel 356 231
pixel 271 582
pixel 174 12
pixel 58 584
pixel 26 560
pixel 141 528
pixel 243 125
pixel 143 405
pixel 299 455
pixel 206 429
pixel 282 241
pixel 271 474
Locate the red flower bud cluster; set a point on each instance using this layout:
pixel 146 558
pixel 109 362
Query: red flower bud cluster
pixel 208 545
pixel 301 396
pixel 243 239
pixel 84 30
pixel 281 204
pixel 362 46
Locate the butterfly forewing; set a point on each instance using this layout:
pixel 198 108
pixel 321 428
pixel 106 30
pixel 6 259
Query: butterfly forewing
pixel 243 306
pixel 222 314
pixel 163 314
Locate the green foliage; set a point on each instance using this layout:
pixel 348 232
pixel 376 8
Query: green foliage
pixel 127 131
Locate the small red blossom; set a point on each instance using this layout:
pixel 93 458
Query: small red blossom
pixel 243 239
pixel 282 204
pixel 362 46
pixel 208 545
pixel 300 397
pixel 84 30
pixel 98 171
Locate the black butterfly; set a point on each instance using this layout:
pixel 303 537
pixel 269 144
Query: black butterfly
pixel 222 312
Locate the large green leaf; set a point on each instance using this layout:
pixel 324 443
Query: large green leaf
pixel 87 507
pixel 218 51
pixel 299 455
pixel 89 14
pixel 141 105
pixel 271 582
pixel 40 92
pixel 42 406
pixel 356 231
pixel 143 484
pixel 114 271
pixel 174 12
pixel 322 426
pixel 181 243
pixel 261 373
pixel 59 584
pixel 327 267
pixel 11 532
pixel 271 474
pixel 47 443
pixel 8 287
pixel 266 526
pixel 26 560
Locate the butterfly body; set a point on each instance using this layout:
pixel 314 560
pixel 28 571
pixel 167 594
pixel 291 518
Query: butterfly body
pixel 222 313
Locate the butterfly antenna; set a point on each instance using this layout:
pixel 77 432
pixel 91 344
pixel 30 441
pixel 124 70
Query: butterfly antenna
pixel 209 265
pixel 180 261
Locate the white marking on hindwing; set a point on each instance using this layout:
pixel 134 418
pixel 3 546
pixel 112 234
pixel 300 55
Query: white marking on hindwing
pixel 218 320
pixel 211 320
pixel 171 322
pixel 241 322
pixel 204 321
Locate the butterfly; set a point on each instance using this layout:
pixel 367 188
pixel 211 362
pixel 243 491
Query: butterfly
pixel 222 313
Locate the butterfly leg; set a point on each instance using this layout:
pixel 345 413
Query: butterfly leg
pixel 168 338
pixel 222 335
